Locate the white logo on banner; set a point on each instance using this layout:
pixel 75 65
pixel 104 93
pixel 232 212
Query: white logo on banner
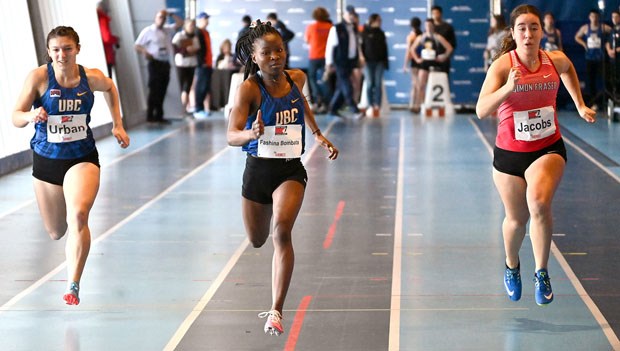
pixel 462 8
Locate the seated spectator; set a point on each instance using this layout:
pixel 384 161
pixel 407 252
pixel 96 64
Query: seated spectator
pixel 226 59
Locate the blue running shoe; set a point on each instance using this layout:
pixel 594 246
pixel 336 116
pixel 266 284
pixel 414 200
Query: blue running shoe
pixel 512 282
pixel 543 292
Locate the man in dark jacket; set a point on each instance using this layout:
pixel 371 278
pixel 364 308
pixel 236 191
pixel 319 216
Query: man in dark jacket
pixel 287 35
pixel 446 30
pixel 342 55
pixel 375 51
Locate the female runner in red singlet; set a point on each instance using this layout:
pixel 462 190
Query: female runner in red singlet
pixel 529 156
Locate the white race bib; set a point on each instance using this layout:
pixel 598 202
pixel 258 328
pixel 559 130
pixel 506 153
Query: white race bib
pixel 534 124
pixel 429 54
pixel 66 128
pixel 594 42
pixel 281 141
pixel 551 46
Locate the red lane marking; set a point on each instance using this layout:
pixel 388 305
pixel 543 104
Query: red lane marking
pixel 291 342
pixel 332 228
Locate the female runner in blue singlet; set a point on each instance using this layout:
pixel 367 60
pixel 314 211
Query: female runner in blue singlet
pixel 268 119
pixel 65 160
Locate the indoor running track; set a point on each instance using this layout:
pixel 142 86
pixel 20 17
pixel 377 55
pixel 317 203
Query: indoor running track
pixel 398 247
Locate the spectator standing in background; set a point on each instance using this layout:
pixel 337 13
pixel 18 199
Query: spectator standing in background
pixel 552 38
pixel 435 50
pixel 287 35
pixel 446 30
pixel 154 42
pixel 316 36
pixel 204 70
pixel 186 47
pixel 247 22
pixel 110 41
pixel 357 77
pixel 494 39
pixel 613 50
pixel 341 56
pixel 409 64
pixel 590 36
pixel 375 51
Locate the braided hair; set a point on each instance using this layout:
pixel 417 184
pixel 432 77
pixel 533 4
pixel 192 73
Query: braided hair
pixel 245 45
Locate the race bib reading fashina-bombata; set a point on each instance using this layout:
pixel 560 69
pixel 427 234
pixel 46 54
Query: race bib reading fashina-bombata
pixel 66 128
pixel 534 124
pixel 280 141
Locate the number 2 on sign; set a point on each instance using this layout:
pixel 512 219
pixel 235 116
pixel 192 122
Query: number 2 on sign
pixel 438 92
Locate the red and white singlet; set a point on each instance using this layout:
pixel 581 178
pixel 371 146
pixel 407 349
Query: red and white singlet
pixel 528 119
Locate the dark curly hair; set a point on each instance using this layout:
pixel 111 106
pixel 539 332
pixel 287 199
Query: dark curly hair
pixel 245 45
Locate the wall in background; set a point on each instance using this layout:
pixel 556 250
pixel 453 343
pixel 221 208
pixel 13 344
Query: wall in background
pixel 470 20
pixel 226 15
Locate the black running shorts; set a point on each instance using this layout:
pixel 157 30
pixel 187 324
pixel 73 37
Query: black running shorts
pixel 516 163
pixel 262 176
pixel 53 170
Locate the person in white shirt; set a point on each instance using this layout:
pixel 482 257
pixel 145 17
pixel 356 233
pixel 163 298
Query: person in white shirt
pixel 341 56
pixel 186 46
pixel 154 42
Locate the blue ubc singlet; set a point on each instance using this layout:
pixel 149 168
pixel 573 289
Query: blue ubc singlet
pixel 287 110
pixel 594 39
pixel 66 134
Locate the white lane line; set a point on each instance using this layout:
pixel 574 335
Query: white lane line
pixel 394 335
pixel 143 147
pixel 106 165
pixel 200 306
pixel 587 300
pixel 48 276
pixel 17 208
pixel 596 313
pixel 592 159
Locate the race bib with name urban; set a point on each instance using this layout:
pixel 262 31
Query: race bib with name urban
pixel 534 124
pixel 280 141
pixel 66 128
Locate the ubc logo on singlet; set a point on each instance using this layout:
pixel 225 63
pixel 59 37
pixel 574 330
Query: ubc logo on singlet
pixel 282 140
pixel 66 127
pixel 287 116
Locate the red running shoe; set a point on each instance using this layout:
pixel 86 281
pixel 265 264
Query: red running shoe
pixel 72 297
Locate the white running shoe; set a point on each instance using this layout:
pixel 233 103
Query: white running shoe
pixel 273 326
